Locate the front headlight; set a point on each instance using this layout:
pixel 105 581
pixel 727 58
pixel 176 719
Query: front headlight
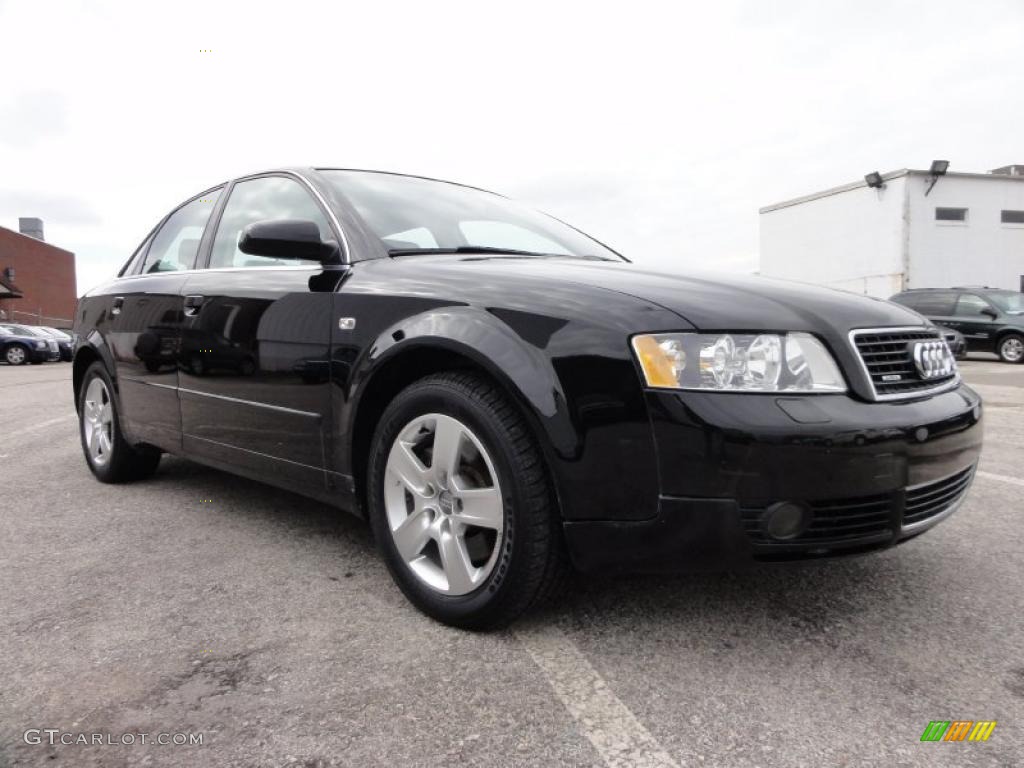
pixel 737 362
pixel 40 345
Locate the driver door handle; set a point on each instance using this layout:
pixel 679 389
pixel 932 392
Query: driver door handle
pixel 118 303
pixel 192 304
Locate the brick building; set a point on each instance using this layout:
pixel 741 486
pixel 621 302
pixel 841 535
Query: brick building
pixel 37 280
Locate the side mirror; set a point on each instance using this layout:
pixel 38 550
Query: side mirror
pixel 287 239
pixel 990 313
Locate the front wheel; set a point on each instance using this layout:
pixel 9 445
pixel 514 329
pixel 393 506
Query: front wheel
pixel 16 355
pixel 460 503
pixel 108 453
pixel 1011 348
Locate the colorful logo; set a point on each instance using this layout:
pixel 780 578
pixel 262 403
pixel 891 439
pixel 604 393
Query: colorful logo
pixel 958 730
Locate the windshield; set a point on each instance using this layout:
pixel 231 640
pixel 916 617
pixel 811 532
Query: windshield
pixel 412 215
pixel 1008 301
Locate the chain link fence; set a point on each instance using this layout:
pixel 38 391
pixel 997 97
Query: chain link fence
pixel 36 318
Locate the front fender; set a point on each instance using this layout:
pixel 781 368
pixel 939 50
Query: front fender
pixel 575 383
pixel 491 344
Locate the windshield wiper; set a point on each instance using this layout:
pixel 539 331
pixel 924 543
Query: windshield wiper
pixel 464 249
pixel 483 249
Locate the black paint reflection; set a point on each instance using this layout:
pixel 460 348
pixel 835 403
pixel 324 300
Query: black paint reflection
pixel 254 366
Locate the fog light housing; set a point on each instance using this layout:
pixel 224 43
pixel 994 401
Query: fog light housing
pixel 786 520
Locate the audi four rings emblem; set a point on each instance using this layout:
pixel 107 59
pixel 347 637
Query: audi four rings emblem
pixel 933 359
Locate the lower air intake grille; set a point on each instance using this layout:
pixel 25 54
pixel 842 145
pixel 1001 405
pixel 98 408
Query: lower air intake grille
pixel 846 521
pixel 925 501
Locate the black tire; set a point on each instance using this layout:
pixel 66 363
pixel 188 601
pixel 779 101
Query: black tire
pixel 126 462
pixel 11 354
pixel 1010 348
pixel 531 565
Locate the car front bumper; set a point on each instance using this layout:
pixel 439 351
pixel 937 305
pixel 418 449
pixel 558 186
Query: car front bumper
pixel 868 475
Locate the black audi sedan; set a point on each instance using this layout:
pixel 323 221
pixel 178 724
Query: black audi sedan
pixel 505 398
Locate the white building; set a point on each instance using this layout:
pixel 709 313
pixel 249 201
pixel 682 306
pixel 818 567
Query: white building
pixel 916 230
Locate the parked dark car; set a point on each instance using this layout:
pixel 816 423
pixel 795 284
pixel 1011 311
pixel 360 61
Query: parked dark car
pixel 502 396
pixel 50 336
pixel 990 319
pixel 65 342
pixel 20 344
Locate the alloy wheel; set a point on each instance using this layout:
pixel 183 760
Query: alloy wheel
pixel 1012 349
pixel 98 422
pixel 444 504
pixel 15 355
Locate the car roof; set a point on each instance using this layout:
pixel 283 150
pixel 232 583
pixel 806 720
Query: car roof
pixel 319 168
pixel 978 288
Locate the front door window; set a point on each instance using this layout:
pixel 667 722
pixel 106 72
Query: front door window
pixel 263 199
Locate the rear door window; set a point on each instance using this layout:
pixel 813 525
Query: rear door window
pixel 907 300
pixel 936 303
pixel 134 264
pixel 175 246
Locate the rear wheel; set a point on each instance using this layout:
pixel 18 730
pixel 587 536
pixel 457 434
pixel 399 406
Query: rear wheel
pixel 460 503
pixel 1011 348
pixel 16 354
pixel 109 455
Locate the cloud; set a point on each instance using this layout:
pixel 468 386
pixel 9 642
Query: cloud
pixel 70 211
pixel 659 128
pixel 31 117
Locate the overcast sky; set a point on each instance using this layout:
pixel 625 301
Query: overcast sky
pixel 660 128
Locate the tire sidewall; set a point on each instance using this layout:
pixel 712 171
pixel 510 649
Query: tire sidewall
pixel 438 398
pixel 24 351
pixel 1002 341
pixel 105 472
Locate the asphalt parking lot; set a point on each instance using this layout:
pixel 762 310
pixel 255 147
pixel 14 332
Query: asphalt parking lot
pixel 199 603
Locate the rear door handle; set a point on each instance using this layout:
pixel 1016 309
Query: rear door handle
pixel 118 303
pixel 192 305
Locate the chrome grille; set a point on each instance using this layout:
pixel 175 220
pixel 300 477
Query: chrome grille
pixel 886 354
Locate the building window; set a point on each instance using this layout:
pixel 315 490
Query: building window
pixel 951 214
pixel 1013 217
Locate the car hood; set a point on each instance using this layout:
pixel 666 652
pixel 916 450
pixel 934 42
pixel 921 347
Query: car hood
pixel 713 302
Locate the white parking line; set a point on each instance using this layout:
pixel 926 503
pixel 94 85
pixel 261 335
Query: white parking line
pixel 1000 478
pixel 40 425
pixel 617 735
